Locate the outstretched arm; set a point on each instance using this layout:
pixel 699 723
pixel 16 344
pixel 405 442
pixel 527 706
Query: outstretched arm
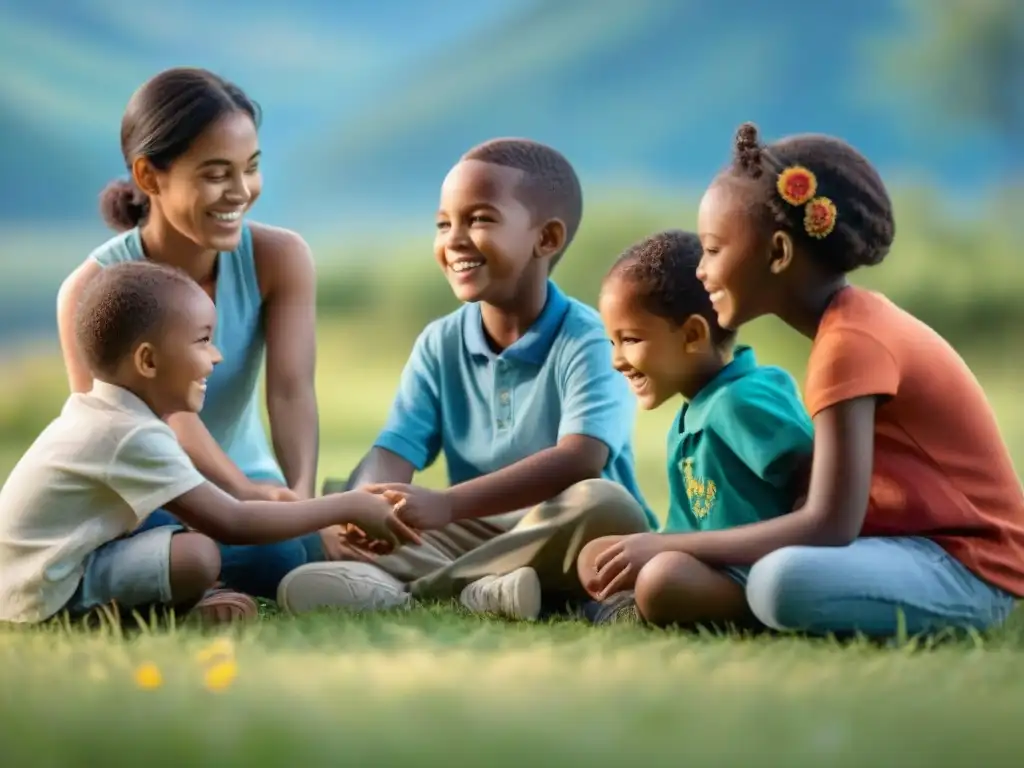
pixel 837 499
pixel 832 515
pixel 531 481
pixel 209 510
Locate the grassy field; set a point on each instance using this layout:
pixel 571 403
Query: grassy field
pixel 437 687
pixel 434 687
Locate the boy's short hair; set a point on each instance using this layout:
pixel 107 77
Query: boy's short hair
pixel 663 267
pixel 550 186
pixel 121 306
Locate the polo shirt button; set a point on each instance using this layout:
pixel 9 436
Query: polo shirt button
pixel 504 397
pixel 501 423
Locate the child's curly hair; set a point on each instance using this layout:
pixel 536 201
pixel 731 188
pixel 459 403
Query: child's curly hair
pixel 663 268
pixel 821 191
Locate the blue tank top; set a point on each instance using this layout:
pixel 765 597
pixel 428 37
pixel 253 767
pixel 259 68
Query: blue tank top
pixel 231 411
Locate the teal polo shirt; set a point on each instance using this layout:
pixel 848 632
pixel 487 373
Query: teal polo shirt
pixel 485 410
pixel 734 448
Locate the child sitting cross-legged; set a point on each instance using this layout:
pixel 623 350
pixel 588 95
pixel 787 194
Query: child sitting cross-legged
pixel 738 451
pixel 69 508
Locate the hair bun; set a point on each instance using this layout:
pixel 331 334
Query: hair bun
pixel 123 205
pixel 747 149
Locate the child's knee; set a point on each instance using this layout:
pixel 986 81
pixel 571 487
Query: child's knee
pixel 780 587
pixel 195 565
pixel 660 580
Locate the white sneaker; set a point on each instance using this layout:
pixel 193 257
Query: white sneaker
pixel 351 585
pixel 515 595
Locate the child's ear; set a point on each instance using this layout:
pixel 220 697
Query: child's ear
pixel 144 176
pixel 780 254
pixel 696 334
pixel 145 360
pixel 551 240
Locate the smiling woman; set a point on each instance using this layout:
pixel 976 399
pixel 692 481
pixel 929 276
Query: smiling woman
pixel 189 140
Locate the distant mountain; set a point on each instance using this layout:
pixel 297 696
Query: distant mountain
pixel 368 104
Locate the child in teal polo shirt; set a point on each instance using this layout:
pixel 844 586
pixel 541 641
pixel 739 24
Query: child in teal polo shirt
pixel 738 451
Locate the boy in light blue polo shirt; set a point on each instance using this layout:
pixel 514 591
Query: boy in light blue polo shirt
pixel 516 388
pixel 738 452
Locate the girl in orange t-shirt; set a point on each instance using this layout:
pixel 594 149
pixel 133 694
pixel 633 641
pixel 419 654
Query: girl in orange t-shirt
pixel 914 508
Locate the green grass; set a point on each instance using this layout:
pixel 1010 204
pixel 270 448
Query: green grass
pixel 437 687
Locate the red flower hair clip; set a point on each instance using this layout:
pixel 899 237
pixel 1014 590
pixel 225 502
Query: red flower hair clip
pixel 798 186
pixel 820 217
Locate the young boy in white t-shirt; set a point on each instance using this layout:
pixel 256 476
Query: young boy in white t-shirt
pixel 68 509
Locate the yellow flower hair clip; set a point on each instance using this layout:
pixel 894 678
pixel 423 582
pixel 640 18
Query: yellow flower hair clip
pixel 820 217
pixel 797 185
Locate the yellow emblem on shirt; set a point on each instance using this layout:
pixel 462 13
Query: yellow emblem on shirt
pixel 699 491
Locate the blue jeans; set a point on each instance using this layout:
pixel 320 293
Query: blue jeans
pixel 133 571
pixel 254 569
pixel 863 587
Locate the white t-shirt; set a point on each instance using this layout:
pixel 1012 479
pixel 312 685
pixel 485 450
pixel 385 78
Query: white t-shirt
pixel 94 474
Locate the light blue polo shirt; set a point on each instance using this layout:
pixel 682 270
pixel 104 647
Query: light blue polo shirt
pixel 735 448
pixel 488 410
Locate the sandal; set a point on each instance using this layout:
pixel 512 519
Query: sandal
pixel 224 606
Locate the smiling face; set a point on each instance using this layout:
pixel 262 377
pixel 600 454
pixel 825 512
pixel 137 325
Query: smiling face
pixel 659 358
pixel 177 362
pixel 736 266
pixel 487 241
pixel 205 192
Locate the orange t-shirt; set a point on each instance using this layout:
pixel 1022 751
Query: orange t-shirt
pixel 941 468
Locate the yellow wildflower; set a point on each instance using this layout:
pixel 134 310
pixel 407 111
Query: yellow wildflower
pixel 148 676
pixel 221 675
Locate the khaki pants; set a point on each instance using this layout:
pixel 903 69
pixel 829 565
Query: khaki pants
pixel 547 538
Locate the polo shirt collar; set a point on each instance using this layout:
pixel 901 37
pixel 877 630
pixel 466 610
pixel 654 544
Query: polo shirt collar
pixel 121 398
pixel 534 345
pixel 697 411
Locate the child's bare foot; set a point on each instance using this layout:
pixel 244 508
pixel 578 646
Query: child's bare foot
pixel 224 606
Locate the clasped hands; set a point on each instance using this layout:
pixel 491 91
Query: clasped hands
pixel 421 509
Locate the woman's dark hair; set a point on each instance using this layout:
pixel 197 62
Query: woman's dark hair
pixel 863 228
pixel 663 269
pixel 162 120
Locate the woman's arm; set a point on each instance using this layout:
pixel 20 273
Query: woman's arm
pixel 287 277
pixel 207 456
pixel 70 293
